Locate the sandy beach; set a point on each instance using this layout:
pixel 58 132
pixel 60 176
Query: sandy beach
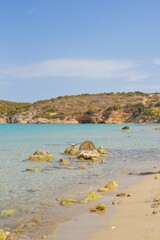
pixel 135 217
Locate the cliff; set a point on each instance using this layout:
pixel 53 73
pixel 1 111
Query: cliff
pixel 132 107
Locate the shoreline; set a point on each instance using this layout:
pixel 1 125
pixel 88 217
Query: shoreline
pixel 137 214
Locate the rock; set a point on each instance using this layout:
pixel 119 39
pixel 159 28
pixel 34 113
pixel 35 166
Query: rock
pixel 82 167
pixel 111 185
pixel 41 156
pixel 99 208
pixel 123 195
pixel 67 202
pixel 157 129
pixel 75 149
pixel 2 235
pixel 92 155
pixel 103 189
pixel 115 202
pixel 32 169
pixel 7 212
pixel 103 161
pixel 126 128
pixel 102 151
pixel 87 145
pixel 92 196
pixel 65 162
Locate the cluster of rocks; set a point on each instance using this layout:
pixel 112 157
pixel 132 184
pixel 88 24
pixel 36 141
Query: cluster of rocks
pixel 86 151
pixel 83 151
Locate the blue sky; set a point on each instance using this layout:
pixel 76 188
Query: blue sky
pixel 50 48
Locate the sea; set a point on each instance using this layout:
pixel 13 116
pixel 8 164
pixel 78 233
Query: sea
pixel 34 194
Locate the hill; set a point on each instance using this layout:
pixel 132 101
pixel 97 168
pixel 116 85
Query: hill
pixel 131 107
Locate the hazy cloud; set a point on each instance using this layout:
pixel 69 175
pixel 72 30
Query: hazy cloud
pixel 90 69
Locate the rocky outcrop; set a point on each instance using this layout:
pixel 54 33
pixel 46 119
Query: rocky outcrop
pixel 132 107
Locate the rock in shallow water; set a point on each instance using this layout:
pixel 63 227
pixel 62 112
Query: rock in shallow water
pixel 41 155
pixel 75 149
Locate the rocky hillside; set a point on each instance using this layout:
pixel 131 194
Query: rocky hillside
pixel 132 107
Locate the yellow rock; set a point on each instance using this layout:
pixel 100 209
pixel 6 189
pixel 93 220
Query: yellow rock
pixel 2 235
pixel 111 185
pixel 32 169
pixel 102 151
pixel 82 167
pixel 99 208
pixel 92 196
pixel 103 189
pixel 103 161
pixel 67 202
pixel 7 212
pixel 65 162
pixel 41 156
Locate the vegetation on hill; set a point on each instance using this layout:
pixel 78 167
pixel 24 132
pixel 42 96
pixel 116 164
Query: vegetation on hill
pixel 133 107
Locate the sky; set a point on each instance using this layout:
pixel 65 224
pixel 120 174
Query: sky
pixel 51 48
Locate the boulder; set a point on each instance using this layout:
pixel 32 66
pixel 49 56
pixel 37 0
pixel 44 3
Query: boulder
pixel 40 155
pixel 75 149
pixel 126 128
pixel 92 155
pixel 87 145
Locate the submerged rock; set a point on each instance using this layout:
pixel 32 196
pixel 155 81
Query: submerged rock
pixel 99 208
pixel 111 185
pixel 41 156
pixel 89 155
pixel 82 167
pixel 3 236
pixel 92 196
pixel 7 212
pixel 32 169
pixel 157 129
pixel 66 201
pixel 64 162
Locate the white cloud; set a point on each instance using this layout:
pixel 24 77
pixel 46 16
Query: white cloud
pixel 90 69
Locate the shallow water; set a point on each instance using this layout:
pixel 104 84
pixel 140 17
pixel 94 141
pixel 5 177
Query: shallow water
pixel 34 194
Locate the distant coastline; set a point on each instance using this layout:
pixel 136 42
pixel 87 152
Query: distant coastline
pixel 131 107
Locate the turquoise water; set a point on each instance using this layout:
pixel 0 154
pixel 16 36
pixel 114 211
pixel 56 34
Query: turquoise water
pixel 33 194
